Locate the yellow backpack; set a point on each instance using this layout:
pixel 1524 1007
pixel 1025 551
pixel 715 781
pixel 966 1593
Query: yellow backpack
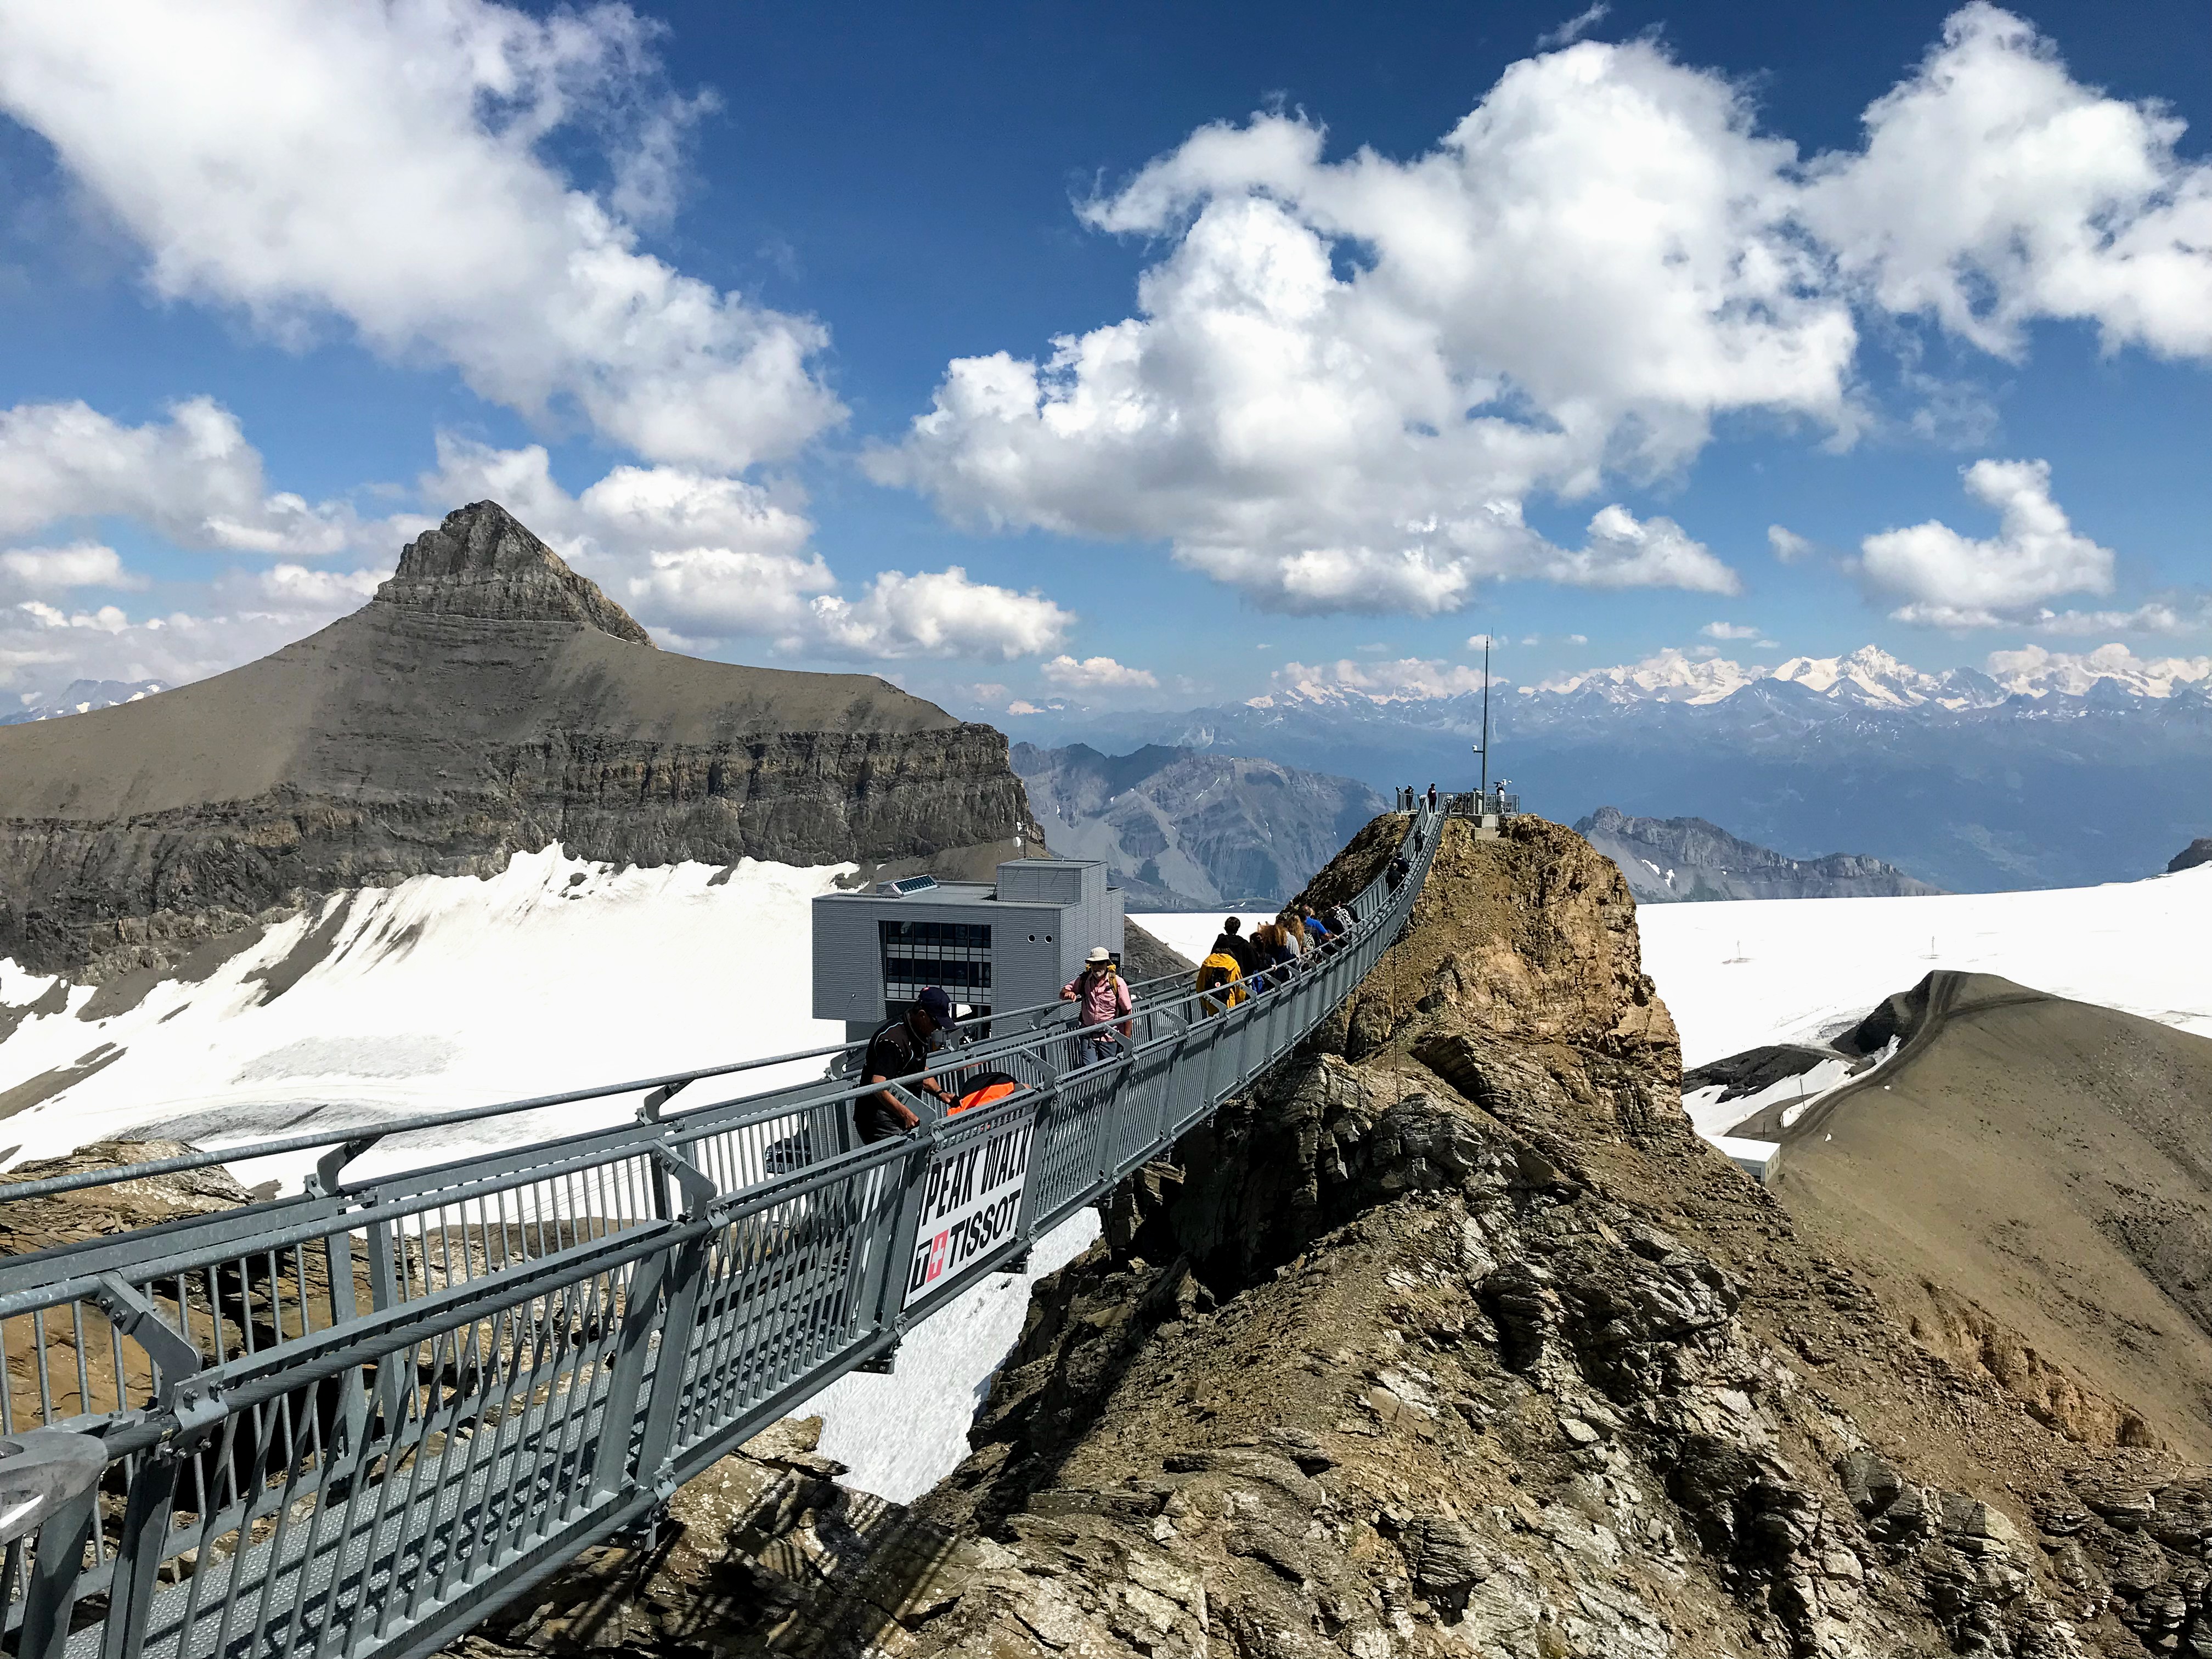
pixel 1220 972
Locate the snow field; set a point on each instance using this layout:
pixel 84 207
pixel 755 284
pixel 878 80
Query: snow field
pixel 1741 974
pixel 1192 932
pixel 903 1433
pixel 445 993
pixel 442 993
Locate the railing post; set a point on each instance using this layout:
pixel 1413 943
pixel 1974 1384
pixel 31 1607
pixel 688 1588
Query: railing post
pixel 683 1287
pixel 898 1261
pixel 51 1595
pixel 138 1553
pixel 612 1470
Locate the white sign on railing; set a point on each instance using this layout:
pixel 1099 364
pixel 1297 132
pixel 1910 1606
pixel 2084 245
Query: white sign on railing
pixel 971 1200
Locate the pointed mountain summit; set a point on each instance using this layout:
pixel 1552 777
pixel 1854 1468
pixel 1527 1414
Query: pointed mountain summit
pixel 482 563
pixel 487 701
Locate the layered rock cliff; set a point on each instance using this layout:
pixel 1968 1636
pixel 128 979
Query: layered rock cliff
pixel 489 700
pixel 1451 1338
pixel 1668 859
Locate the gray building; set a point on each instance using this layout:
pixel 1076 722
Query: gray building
pixel 1010 944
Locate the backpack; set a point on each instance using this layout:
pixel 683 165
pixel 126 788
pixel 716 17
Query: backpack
pixel 1218 971
pixel 986 1089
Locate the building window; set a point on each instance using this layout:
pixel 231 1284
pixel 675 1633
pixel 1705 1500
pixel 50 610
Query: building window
pixel 956 955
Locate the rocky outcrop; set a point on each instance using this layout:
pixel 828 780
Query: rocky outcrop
pixel 488 700
pixel 1452 1339
pixel 1667 858
pixel 2197 851
pixel 481 563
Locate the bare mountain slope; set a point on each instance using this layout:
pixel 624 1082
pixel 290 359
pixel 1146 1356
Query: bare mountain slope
pixel 1669 858
pixel 1186 830
pixel 2030 1181
pixel 487 701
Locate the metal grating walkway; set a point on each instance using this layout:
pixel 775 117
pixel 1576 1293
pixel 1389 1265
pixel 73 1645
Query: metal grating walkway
pixel 351 1423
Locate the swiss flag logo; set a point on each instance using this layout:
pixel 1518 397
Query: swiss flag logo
pixel 936 1247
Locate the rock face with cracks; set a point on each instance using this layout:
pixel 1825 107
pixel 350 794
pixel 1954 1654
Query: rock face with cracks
pixel 488 700
pixel 1451 1338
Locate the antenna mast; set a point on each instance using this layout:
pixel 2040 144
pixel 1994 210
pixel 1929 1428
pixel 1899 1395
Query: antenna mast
pixel 1486 719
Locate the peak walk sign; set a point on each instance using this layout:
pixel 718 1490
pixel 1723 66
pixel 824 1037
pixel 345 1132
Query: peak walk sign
pixel 971 1202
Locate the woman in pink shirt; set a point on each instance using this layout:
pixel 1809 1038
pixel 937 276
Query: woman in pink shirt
pixel 1102 996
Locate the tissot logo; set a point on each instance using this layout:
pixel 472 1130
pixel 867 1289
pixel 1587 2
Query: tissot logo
pixel 971 1203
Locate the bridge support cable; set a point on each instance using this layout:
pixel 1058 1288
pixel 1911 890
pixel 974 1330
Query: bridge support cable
pixel 351 1424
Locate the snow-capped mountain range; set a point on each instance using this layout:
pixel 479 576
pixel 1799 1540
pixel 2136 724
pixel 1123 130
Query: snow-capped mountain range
pixel 1871 678
pixel 1867 678
pixel 2041 768
pixel 81 697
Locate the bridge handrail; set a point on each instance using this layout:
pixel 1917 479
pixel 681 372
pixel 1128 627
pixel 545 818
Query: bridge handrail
pixel 656 1292
pixel 1040 1015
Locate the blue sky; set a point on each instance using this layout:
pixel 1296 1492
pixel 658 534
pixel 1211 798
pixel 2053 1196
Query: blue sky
pixel 676 284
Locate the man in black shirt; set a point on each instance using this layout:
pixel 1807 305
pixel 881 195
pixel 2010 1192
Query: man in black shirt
pixel 900 1049
pixel 1232 939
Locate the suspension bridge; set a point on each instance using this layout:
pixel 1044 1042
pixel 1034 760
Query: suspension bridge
pixel 350 1422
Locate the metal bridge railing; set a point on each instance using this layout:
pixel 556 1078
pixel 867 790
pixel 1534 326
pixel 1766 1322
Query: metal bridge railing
pixel 353 1422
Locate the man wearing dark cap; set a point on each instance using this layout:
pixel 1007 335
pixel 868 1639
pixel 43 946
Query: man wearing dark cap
pixel 900 1049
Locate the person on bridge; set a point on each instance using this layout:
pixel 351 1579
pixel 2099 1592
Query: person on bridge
pixel 1222 975
pixel 1231 941
pixel 1432 797
pixel 900 1049
pixel 1278 960
pixel 1102 996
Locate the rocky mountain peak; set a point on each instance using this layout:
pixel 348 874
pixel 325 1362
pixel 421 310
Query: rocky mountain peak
pixel 483 561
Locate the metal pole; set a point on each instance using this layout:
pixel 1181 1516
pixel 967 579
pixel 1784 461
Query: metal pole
pixel 1483 806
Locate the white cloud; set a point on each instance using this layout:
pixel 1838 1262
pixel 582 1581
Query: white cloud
pixel 80 564
pixel 192 477
pixel 1577 638
pixel 385 165
pixel 1576 27
pixel 1097 674
pixel 1019 706
pixel 702 559
pixel 2158 617
pixel 1995 190
pixel 1721 630
pixel 934 614
pixel 1410 679
pixel 1788 545
pixel 44 646
pixel 1952 580
pixel 1345 377
pixel 1621 552
pixel 295 587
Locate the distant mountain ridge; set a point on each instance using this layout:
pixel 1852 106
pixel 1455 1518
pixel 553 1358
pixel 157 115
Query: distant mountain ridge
pixel 1185 831
pixel 81 697
pixel 2053 774
pixel 1671 859
pixel 488 702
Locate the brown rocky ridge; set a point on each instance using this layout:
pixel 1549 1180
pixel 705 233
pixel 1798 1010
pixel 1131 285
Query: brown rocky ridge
pixel 1452 1338
pixel 488 700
